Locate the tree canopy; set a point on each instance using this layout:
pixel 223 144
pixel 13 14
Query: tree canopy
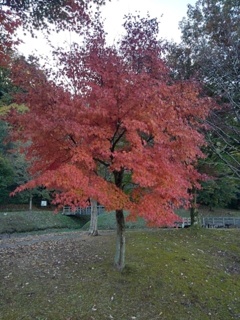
pixel 63 14
pixel 127 135
pixel 111 125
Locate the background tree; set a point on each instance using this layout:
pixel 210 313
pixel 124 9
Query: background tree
pixel 220 189
pixel 14 172
pixel 9 161
pixel 6 178
pixel 123 114
pixel 210 52
pixel 14 165
pixel 44 15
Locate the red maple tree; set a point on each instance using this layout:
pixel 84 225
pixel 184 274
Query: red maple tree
pixel 9 23
pixel 115 128
pixel 71 15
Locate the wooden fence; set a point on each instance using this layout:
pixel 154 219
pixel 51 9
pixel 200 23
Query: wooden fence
pixel 68 211
pixel 212 222
pixel 183 223
pixel 221 222
pixel 207 222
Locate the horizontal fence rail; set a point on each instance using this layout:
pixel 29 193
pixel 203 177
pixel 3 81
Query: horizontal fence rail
pixel 207 222
pixel 211 222
pixel 68 211
pixel 183 223
pixel 221 222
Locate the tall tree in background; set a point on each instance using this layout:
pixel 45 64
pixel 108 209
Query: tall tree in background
pixel 6 178
pixel 14 171
pixel 119 130
pixel 59 14
pixel 9 22
pixel 210 52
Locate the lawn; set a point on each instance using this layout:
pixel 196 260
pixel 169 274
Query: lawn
pixel 171 274
pixel 38 221
pixel 47 221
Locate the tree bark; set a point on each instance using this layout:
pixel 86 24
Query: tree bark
pixel 30 202
pixel 194 216
pixel 119 261
pixel 194 211
pixel 93 231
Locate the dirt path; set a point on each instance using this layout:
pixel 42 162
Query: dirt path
pixel 15 240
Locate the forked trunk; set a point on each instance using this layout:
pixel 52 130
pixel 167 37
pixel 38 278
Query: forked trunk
pixel 120 245
pixel 93 231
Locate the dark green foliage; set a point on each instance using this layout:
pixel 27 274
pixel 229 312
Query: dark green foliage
pixel 6 167
pixel 12 160
pixel 6 88
pixel 14 172
pixel 6 178
pixel 221 187
pixel 4 145
pixel 218 192
pixel 5 172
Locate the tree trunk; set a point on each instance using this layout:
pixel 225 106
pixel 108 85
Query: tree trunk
pixel 119 261
pixel 195 221
pixel 194 216
pixel 93 231
pixel 30 202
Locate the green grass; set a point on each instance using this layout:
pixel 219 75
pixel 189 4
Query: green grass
pixel 179 274
pixel 47 221
pixel 107 221
pixel 30 221
pixel 34 221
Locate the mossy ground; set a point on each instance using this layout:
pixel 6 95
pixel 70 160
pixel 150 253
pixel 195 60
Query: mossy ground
pixel 177 274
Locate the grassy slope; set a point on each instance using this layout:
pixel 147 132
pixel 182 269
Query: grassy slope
pixel 26 221
pixel 170 274
pixel 107 221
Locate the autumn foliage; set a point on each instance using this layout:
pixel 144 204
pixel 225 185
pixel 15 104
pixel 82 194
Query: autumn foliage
pixel 113 126
pixel 9 23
